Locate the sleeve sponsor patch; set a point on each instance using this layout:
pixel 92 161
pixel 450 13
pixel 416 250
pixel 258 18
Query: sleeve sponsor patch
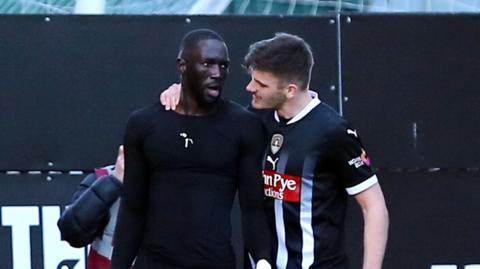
pixel 360 160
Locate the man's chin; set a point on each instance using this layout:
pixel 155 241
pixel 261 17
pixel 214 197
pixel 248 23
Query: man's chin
pixel 210 100
pixel 258 105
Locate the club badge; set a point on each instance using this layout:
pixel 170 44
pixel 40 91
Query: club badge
pixel 277 142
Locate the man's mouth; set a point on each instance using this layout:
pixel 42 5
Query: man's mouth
pixel 213 90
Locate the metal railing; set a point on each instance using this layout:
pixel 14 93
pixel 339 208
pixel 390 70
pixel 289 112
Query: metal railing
pixel 238 7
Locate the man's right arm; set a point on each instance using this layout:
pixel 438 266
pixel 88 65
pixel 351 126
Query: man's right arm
pixel 375 216
pixel 131 219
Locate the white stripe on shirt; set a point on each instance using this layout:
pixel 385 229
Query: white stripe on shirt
pixel 282 255
pixel 362 186
pixel 306 223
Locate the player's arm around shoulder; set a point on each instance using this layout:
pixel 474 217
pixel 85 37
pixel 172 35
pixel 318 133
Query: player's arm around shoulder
pixel 376 221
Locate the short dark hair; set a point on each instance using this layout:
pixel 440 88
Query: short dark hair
pixel 193 37
pixel 286 56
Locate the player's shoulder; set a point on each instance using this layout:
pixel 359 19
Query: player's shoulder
pixel 237 111
pixel 328 113
pixel 144 116
pixel 334 123
pixel 242 122
pixel 146 111
pixel 266 115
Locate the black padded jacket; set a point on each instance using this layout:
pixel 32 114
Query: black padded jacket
pixel 85 218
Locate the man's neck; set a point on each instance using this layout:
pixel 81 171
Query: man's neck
pixel 293 106
pixel 189 106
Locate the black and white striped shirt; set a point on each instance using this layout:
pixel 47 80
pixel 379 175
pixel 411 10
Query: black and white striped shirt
pixel 312 162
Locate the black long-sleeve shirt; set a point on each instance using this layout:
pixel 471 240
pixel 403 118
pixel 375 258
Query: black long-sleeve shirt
pixel 181 175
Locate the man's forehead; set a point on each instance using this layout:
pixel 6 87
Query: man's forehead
pixel 264 77
pixel 212 48
pixel 257 73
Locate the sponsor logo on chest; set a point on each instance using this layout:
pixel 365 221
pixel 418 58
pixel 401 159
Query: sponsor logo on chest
pixel 281 186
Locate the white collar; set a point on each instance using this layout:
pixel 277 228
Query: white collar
pixel 311 105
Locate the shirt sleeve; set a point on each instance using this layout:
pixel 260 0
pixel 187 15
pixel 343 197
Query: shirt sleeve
pixel 256 233
pixel 351 160
pixel 132 213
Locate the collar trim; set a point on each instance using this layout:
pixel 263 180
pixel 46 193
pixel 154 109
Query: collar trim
pixel 311 105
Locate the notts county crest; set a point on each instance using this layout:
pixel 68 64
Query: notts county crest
pixel 277 142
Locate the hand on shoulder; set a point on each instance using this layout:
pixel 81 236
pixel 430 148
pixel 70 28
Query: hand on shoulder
pixel 119 169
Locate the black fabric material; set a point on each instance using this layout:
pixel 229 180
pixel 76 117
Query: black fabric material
pixel 88 213
pixel 318 150
pixel 178 195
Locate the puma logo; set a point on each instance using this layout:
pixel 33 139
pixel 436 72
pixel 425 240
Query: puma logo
pixel 354 132
pixel 272 161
